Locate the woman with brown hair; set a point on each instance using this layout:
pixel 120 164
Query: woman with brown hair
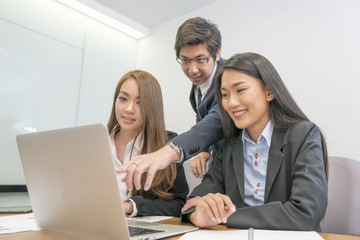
pixel 136 126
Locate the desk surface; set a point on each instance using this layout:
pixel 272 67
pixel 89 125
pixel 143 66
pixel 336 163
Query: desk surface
pixel 46 235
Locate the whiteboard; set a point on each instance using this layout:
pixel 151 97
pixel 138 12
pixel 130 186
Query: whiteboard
pixel 39 90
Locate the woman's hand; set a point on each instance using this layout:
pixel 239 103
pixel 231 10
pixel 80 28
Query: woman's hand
pixel 212 210
pixel 128 207
pixel 190 203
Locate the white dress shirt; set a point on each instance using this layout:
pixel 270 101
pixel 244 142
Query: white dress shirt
pixel 133 149
pixel 204 87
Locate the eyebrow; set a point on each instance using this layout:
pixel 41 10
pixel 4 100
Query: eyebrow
pixel 234 85
pixel 125 93
pixel 201 55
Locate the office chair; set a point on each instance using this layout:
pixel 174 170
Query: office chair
pixel 190 177
pixel 343 211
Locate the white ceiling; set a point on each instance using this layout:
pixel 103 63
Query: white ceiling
pixel 150 13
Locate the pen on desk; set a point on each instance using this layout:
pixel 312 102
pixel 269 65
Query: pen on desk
pixel 251 234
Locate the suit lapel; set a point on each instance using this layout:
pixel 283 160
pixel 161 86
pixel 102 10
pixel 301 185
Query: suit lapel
pixel 276 157
pixel 238 160
pixel 192 98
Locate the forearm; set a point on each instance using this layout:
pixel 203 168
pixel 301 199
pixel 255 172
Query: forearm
pixel 274 215
pixel 147 207
pixel 202 135
pixel 150 205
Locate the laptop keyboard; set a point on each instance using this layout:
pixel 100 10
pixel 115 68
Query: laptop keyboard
pixel 137 231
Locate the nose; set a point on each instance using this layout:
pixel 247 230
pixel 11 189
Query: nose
pixel 130 107
pixel 193 68
pixel 233 101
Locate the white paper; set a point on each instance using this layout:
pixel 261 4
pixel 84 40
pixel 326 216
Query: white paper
pixel 258 235
pixel 18 223
pixel 215 235
pixel 151 218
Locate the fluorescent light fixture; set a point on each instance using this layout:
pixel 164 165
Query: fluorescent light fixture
pixel 108 16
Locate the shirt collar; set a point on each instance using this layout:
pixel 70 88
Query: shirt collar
pixel 266 134
pixel 206 85
pixel 138 142
pixel 137 145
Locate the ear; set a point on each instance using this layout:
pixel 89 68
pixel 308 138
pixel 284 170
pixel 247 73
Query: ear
pixel 218 55
pixel 269 94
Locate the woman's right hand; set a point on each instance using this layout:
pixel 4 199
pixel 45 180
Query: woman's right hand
pixel 212 210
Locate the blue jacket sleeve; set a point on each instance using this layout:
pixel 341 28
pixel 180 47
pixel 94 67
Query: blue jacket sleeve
pixel 203 134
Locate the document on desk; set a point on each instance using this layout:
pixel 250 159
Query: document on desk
pixel 258 235
pixel 18 223
pixel 151 218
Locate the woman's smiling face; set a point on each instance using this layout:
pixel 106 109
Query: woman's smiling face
pixel 246 100
pixel 128 112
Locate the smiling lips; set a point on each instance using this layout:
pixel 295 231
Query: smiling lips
pixel 195 78
pixel 239 114
pixel 128 119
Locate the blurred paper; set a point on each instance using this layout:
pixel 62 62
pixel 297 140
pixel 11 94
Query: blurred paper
pixel 258 235
pixel 18 223
pixel 151 218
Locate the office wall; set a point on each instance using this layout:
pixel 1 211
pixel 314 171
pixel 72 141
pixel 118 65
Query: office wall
pixel 313 44
pixel 58 68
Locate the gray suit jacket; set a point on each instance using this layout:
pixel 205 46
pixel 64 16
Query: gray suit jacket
pixel 208 129
pixel 296 186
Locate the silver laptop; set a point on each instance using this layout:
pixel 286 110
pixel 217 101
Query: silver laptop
pixel 14 202
pixel 72 185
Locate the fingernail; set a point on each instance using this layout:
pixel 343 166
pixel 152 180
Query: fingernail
pixel 224 220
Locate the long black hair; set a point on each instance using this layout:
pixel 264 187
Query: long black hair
pixel 283 110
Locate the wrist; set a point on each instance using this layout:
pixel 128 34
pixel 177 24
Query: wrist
pixel 191 217
pixel 177 152
pixel 129 207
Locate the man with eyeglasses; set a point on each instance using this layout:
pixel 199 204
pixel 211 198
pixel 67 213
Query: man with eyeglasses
pixel 197 46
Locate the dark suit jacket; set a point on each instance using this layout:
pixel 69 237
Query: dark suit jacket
pixel 296 186
pixel 148 204
pixel 208 129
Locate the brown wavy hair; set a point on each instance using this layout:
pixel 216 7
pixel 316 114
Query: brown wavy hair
pixel 153 128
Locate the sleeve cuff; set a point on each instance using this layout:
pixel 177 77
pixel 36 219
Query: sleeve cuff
pixel 179 150
pixel 135 211
pixel 185 216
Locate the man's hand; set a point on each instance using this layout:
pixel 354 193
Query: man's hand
pixel 198 164
pixel 149 163
pixel 212 210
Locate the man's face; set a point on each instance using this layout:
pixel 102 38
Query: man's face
pixel 197 71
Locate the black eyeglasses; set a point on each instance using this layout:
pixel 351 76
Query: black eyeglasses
pixel 197 61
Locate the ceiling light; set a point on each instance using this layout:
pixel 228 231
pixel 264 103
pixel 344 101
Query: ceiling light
pixel 108 16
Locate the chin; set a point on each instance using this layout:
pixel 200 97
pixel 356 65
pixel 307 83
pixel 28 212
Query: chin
pixel 240 126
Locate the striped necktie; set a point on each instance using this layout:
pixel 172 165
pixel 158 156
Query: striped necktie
pixel 199 97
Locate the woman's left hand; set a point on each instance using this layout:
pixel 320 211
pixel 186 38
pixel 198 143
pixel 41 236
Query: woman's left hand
pixel 128 208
